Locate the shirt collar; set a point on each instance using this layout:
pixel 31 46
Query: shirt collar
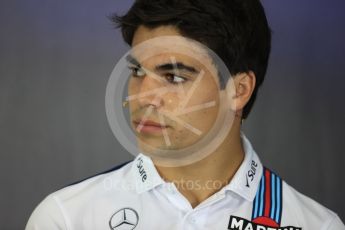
pixel 246 180
pixel 244 183
pixel 145 174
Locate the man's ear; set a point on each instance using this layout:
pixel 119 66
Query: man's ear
pixel 239 90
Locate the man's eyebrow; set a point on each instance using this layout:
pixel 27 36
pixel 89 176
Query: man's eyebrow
pixel 176 66
pixel 132 60
pixel 164 67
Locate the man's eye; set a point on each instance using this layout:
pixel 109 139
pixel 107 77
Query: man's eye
pixel 174 79
pixel 136 72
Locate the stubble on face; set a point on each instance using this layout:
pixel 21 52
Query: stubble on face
pixel 188 123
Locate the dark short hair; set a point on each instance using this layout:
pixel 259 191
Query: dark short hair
pixel 236 30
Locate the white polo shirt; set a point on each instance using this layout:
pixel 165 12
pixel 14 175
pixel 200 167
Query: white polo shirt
pixel 134 196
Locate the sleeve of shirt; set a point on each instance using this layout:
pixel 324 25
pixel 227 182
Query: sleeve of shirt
pixel 47 215
pixel 336 224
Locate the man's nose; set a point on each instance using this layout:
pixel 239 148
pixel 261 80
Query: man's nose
pixel 151 91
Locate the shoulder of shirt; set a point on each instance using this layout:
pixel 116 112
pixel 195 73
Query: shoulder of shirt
pixel 308 212
pixel 105 180
pixel 49 214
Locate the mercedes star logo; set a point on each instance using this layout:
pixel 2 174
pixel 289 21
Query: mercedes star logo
pixel 124 219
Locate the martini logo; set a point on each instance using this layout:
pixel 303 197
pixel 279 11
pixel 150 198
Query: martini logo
pixel 238 223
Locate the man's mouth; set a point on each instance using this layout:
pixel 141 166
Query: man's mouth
pixel 148 126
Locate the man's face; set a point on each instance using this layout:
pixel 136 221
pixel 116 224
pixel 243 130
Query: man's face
pixel 173 90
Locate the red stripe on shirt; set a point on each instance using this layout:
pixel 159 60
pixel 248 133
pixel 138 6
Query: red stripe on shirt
pixel 267 193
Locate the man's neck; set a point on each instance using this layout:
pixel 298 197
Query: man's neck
pixel 200 180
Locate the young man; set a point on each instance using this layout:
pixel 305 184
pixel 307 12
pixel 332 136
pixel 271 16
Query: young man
pixel 226 188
